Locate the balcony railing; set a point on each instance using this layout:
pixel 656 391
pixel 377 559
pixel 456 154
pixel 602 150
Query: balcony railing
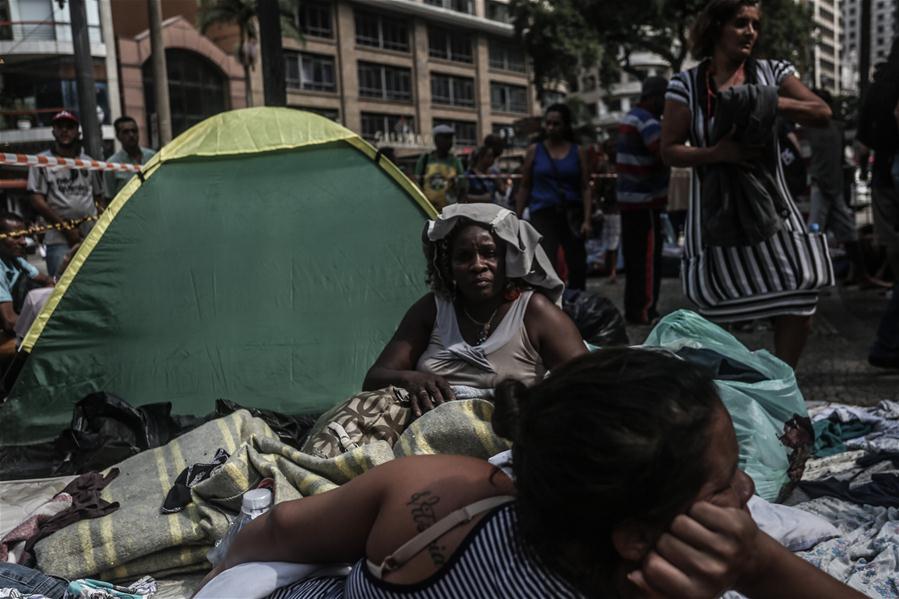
pixel 464 6
pixel 44 31
pixel 27 119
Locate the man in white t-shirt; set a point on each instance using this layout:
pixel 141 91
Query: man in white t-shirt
pixel 62 194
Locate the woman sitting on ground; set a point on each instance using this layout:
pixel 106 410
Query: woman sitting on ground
pixel 490 315
pixel 624 483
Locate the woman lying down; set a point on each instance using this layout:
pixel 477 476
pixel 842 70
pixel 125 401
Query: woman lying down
pixel 625 485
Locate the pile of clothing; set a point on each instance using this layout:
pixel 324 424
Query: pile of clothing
pixel 856 489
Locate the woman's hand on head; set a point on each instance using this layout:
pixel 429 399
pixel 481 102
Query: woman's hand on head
pixel 705 552
pixel 426 391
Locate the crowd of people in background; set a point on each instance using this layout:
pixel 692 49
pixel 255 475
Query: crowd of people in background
pixel 616 189
pixel 69 200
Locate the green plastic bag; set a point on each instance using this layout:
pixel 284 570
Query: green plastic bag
pixel 769 416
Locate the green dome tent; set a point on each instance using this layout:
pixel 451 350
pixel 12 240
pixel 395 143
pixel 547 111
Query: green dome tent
pixel 264 257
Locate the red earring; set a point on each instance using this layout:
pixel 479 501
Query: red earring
pixel 511 293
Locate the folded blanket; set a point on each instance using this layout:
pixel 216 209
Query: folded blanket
pixel 138 540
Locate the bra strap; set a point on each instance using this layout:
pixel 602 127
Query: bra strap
pixel 417 544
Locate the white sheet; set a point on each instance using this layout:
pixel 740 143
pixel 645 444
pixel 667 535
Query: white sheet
pixel 19 498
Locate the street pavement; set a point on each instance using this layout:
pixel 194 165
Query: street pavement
pixel 834 366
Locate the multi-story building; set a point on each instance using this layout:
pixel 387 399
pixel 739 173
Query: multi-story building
pixel 204 75
pixel 37 76
pixel 826 52
pixel 393 69
pixel 883 30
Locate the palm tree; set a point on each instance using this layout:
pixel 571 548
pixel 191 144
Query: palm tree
pixel 243 14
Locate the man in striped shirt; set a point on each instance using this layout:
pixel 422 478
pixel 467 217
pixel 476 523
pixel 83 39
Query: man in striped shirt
pixel 642 196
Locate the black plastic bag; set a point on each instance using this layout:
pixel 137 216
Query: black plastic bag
pixel 292 430
pixel 105 430
pixel 596 317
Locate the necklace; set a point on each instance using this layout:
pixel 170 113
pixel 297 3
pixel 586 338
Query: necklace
pixel 484 331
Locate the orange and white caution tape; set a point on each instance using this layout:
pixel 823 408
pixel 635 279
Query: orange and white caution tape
pixel 26 160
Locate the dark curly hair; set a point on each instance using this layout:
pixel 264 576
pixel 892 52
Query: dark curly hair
pixel 616 435
pixel 707 26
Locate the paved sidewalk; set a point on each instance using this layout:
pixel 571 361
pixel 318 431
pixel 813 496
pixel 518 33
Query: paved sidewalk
pixel 834 366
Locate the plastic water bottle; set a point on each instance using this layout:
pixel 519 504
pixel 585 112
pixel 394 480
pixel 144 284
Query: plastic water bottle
pixel 254 504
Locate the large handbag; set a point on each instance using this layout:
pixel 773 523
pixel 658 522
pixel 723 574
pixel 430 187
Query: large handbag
pixel 365 417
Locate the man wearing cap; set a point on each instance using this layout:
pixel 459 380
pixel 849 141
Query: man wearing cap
pixel 642 193
pixel 128 134
pixel 439 173
pixel 61 194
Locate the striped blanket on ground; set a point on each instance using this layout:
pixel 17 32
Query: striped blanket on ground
pixel 137 539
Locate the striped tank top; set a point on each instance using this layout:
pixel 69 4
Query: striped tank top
pixel 490 562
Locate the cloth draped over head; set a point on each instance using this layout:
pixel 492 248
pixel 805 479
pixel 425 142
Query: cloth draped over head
pixel 525 258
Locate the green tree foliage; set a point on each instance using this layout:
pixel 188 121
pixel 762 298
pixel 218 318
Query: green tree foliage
pixel 564 36
pixel 242 13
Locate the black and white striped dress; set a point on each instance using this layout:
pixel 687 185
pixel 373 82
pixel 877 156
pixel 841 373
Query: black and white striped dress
pixel 781 275
pixel 490 562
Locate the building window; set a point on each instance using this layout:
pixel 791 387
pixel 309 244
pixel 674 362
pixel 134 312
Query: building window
pixel 613 104
pixel 498 11
pixel 314 20
pixel 376 126
pixel 309 72
pixel 466 6
pixel 385 82
pixel 589 83
pixel 329 113
pixel 508 98
pixel 454 91
pixel 449 45
pixel 466 131
pixel 593 110
pixel 197 89
pixel 506 57
pixel 377 31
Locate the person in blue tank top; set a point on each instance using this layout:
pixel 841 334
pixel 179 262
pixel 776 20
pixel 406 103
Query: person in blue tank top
pixel 555 187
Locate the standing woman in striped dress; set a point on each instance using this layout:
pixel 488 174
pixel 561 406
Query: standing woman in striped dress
pixel 780 277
